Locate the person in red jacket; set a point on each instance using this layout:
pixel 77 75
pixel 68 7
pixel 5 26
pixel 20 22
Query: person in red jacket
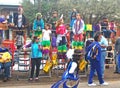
pixel 61 31
pixel 68 35
pixel 61 38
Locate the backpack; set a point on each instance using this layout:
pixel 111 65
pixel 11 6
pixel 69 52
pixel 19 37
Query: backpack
pixel 87 43
pixel 91 54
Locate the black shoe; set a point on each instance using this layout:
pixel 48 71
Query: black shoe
pixel 116 72
pixel 5 79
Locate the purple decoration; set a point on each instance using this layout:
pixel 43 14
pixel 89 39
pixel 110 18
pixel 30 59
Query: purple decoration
pixel 96 27
pixel 2 20
pixel 61 52
pixel 53 41
pixel 64 56
pixel 46 51
pixel 61 56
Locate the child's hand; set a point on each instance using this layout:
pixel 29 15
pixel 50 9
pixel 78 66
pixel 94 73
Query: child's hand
pixel 40 47
pixel 94 57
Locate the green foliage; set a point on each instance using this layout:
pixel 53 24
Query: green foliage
pixel 91 10
pixel 29 10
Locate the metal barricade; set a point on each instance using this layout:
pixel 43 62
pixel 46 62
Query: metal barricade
pixel 23 64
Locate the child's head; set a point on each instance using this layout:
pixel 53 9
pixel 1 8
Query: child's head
pixel 47 26
pixel 20 10
pixel 59 22
pixel 55 14
pixel 38 16
pixel 77 55
pixel 35 39
pixel 78 16
pixel 67 26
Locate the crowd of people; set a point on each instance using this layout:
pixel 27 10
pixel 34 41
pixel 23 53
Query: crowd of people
pixel 56 34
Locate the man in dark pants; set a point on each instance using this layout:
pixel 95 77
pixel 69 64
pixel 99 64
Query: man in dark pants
pixel 20 20
pixel 117 56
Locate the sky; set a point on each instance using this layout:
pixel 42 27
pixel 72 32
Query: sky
pixel 10 2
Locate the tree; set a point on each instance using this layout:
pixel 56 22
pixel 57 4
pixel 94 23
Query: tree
pixel 91 10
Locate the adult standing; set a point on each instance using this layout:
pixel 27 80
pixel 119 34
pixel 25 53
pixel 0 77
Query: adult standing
pixel 3 25
pixel 117 55
pixel 95 50
pixel 5 61
pixel 113 28
pixel 53 20
pixel 104 44
pixel 20 20
pixel 73 17
pixel 105 28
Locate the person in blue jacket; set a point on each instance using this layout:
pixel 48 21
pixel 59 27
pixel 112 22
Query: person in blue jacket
pixel 36 56
pixel 38 22
pixel 38 26
pixel 94 54
pixel 71 73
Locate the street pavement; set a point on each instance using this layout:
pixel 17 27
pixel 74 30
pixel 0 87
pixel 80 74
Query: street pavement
pixel 112 84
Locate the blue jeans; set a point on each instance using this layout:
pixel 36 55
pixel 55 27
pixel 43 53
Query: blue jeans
pixel 102 62
pixel 95 66
pixel 117 60
pixel 106 33
pixel 6 67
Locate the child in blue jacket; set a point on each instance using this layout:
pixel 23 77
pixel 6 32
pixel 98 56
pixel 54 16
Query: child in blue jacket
pixel 36 56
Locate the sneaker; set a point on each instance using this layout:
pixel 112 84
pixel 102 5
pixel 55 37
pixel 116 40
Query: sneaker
pixel 104 84
pixel 30 79
pixel 92 84
pixel 36 79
